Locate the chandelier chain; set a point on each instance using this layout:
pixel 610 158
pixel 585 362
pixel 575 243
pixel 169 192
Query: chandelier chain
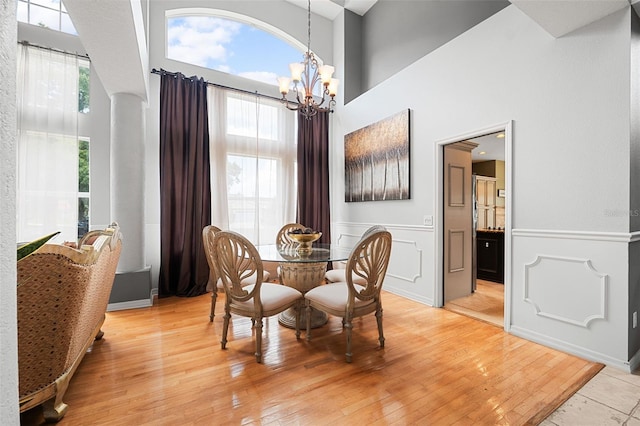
pixel 309 28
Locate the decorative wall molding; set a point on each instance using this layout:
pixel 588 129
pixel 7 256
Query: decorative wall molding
pixel 616 237
pixel 411 267
pixel 411 245
pixel 400 227
pixel 456 250
pixel 559 281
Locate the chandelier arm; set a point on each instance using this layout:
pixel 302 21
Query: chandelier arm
pixel 292 106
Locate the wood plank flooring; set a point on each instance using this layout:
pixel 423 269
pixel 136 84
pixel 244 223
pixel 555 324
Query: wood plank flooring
pixel 163 366
pixel 486 303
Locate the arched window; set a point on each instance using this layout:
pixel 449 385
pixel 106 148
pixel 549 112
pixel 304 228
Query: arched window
pixel 231 43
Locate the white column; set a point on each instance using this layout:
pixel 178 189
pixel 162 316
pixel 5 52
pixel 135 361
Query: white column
pixel 127 177
pixel 9 411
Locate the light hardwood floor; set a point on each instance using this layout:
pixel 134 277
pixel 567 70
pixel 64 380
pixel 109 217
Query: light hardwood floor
pixel 163 366
pixel 611 398
pixel 486 303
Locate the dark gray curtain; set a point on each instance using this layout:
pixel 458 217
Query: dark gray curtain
pixel 185 190
pixel 313 174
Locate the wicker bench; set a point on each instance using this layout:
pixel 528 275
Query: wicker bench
pixel 63 294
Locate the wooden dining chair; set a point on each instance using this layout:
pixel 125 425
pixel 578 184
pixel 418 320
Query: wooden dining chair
pixel 283 234
pixel 369 260
pixel 283 239
pixel 236 259
pixel 215 283
pixel 337 275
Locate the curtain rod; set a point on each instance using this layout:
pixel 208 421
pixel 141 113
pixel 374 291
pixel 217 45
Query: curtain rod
pixel 175 74
pixel 53 49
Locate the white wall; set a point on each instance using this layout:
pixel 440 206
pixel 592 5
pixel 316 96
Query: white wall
pixel 569 100
pixel 9 412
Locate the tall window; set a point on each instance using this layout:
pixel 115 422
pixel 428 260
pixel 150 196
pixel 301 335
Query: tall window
pixel 46 13
pixel 231 46
pixel 253 164
pixel 52 161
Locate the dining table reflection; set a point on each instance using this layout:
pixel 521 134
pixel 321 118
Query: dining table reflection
pixel 302 271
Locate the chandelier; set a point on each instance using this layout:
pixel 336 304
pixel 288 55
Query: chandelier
pixel 305 76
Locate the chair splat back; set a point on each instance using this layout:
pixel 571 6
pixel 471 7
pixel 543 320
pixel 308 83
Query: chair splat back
pixel 283 238
pixel 369 260
pixel 237 261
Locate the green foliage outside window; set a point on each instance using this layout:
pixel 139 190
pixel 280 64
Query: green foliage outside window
pixel 83 166
pixel 83 90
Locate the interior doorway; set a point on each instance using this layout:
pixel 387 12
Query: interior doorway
pixel 485 280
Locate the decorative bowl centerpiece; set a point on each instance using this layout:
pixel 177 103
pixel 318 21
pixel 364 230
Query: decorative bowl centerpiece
pixel 304 238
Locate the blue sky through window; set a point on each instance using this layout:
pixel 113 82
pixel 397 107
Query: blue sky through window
pixel 230 46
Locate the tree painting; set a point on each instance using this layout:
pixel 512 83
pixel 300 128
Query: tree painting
pixel 376 160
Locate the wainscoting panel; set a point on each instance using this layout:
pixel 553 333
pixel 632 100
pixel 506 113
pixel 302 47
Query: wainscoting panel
pixel 570 291
pixel 411 266
pixel 551 283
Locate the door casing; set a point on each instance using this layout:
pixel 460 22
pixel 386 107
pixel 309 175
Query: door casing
pixel 507 128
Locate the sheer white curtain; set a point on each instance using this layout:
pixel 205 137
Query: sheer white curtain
pixel 253 164
pixel 47 163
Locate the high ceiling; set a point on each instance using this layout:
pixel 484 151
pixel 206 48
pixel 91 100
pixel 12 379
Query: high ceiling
pixel 332 8
pixel 557 17
pixel 121 58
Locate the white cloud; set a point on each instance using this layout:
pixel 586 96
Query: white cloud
pixel 200 40
pixel 264 76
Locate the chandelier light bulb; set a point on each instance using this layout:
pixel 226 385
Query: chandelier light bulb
pixel 326 72
pixel 333 87
pixel 297 68
pixel 284 83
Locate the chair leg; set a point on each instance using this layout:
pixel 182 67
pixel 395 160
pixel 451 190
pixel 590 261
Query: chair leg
pixel 379 320
pixel 308 310
pixel 348 325
pixel 298 308
pixel 214 296
pixel 225 328
pixel 54 409
pixel 259 339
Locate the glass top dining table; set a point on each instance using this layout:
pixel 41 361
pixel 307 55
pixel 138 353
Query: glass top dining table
pixel 302 271
pixel 289 254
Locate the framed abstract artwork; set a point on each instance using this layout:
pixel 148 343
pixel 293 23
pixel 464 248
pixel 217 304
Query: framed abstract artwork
pixel 376 160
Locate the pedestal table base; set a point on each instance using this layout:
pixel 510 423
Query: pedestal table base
pixel 303 277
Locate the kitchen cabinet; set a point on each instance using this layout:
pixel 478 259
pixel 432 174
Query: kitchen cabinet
pixel 486 201
pixel 490 255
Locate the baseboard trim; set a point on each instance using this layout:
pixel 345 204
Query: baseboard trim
pixel 578 351
pixel 409 295
pixel 132 304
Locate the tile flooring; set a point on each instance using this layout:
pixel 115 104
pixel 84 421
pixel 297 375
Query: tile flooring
pixel 612 397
